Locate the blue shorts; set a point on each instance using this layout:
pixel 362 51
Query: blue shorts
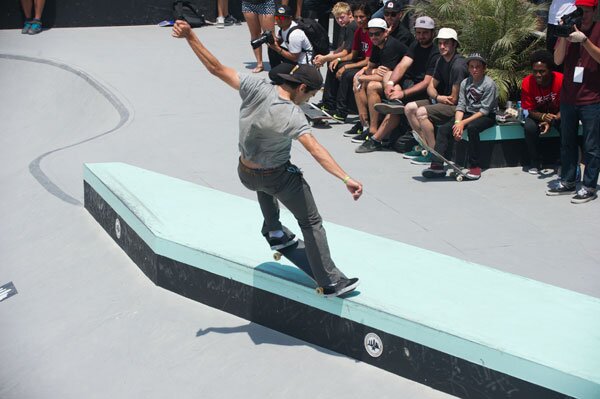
pixel 265 8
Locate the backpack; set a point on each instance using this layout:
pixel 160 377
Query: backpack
pixel 187 11
pixel 316 34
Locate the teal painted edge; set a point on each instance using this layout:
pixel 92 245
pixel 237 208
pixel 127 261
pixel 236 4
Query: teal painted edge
pixel 414 331
pixel 510 132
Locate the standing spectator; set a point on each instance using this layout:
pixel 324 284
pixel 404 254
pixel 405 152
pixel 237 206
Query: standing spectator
pixel 557 9
pixel 580 101
pixel 223 17
pixel 393 13
pixel 343 17
pixel 34 8
pixel 476 111
pixel 259 16
pixel 291 45
pixel 540 97
pixel 450 71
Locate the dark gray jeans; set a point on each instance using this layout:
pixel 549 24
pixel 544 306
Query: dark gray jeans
pixel 286 184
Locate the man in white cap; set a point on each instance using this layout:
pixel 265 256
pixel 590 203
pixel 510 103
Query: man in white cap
pixel 386 54
pixel 443 89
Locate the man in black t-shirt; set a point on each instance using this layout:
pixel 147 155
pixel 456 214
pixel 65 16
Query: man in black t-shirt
pixel 393 13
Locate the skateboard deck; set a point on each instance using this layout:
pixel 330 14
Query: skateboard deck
pixel 458 173
pixel 316 116
pixel 297 255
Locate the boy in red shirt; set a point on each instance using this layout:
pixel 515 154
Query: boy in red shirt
pixel 540 97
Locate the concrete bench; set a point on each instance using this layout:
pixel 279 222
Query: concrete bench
pixel 459 327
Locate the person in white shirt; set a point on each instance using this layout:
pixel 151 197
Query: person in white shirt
pixel 291 45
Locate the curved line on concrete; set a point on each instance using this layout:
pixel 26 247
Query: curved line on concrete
pixel 124 116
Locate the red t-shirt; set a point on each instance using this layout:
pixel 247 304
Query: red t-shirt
pixel 541 99
pixel 362 43
pixel 587 92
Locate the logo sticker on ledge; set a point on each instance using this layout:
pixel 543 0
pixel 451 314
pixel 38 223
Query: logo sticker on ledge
pixel 373 345
pixel 7 290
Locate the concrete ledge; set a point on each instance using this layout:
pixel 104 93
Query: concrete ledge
pixel 509 132
pixel 458 327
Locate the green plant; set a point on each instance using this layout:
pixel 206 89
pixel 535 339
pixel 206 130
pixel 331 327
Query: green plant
pixel 505 32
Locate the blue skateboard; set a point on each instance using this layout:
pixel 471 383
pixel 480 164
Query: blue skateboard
pixel 297 255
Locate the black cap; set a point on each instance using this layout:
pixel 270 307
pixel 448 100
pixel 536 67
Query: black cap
pixel 393 6
pixel 476 57
pixel 283 11
pixel 307 74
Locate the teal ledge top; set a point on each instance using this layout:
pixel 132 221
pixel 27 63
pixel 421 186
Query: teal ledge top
pixel 537 332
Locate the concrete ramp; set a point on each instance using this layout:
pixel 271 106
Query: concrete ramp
pixel 453 325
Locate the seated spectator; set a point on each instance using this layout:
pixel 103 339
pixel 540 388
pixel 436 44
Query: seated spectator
pixel 343 16
pixel 291 44
pixel 347 66
pixel 476 111
pixel 32 8
pixel 450 71
pixel 540 100
pixel 407 82
pixel 386 54
pixel 393 13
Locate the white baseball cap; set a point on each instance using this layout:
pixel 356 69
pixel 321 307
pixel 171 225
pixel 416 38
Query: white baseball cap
pixel 447 33
pixel 377 23
pixel 424 23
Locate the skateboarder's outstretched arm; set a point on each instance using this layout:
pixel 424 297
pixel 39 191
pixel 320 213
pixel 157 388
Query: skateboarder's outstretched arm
pixel 182 29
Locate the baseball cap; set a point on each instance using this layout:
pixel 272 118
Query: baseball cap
pixel 586 3
pixel 284 11
pixel 377 23
pixel 476 57
pixel 307 74
pixel 424 23
pixel 392 5
pixel 447 33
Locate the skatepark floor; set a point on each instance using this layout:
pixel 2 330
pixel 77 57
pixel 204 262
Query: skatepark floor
pixel 87 323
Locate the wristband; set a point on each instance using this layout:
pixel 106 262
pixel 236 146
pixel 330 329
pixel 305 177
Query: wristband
pixel 345 179
pixel 389 82
pixel 456 122
pixel 339 59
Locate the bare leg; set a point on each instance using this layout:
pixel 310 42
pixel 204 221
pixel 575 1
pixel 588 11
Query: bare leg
pixel 427 128
pixel 39 8
pixel 254 27
pixel 374 93
pixel 27 6
pixel 390 122
pixel 360 96
pixel 223 8
pixel 267 22
pixel 410 110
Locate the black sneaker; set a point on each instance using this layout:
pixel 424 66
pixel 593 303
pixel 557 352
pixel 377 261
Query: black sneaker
pixel 584 195
pixel 560 189
pixel 354 130
pixel 231 20
pixel 342 287
pixel 340 116
pixel 325 107
pixel 434 171
pixel 361 138
pixel 393 107
pixel 369 146
pixel 284 241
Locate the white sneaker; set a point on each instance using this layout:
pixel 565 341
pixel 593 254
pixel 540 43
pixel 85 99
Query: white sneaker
pixel 220 22
pixel 533 171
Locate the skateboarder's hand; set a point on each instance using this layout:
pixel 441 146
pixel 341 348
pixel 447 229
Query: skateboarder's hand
pixel 181 29
pixel 355 187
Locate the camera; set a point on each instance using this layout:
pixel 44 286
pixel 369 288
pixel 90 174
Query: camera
pixel 265 38
pixel 569 21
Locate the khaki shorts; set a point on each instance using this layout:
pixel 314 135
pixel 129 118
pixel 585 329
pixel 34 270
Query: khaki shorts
pixel 438 113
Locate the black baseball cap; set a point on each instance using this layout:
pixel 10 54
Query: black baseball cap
pixel 284 11
pixel 307 74
pixel 393 6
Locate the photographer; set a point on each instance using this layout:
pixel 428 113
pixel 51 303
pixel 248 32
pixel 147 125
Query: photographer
pixel 298 50
pixel 580 101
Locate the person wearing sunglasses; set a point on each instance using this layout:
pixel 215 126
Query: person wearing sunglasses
pixel 393 13
pixel 291 44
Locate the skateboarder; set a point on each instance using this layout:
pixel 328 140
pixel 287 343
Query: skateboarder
pixel 269 120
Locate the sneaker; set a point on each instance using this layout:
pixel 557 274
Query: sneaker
pixel 284 241
pixel 231 20
pixel 394 107
pixel 26 27
pixel 354 130
pixel 361 138
pixel 325 107
pixel 220 22
pixel 533 171
pixel 36 27
pixel 560 189
pixel 340 116
pixel 584 195
pixel 369 146
pixel 474 173
pixel 433 171
pixel 422 160
pixel 412 154
pixel 342 287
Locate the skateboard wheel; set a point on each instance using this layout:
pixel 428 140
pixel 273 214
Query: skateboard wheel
pixel 459 178
pixel 424 152
pixel 277 255
pixel 319 290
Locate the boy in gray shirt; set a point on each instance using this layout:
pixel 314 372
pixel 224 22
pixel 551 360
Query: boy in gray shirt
pixel 269 120
pixel 475 111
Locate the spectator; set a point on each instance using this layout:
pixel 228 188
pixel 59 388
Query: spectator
pixel 540 99
pixel 34 8
pixel 346 67
pixel 476 111
pixel 343 16
pixel 408 82
pixel 443 89
pixel 580 101
pixel 386 54
pixel 291 45
pixel 260 18
pixel 556 10
pixel 223 17
pixel 393 13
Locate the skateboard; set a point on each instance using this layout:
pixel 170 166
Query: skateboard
pixel 296 254
pixel 316 116
pixel 457 173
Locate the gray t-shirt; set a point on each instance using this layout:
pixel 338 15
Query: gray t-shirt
pixel 268 123
pixel 478 96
